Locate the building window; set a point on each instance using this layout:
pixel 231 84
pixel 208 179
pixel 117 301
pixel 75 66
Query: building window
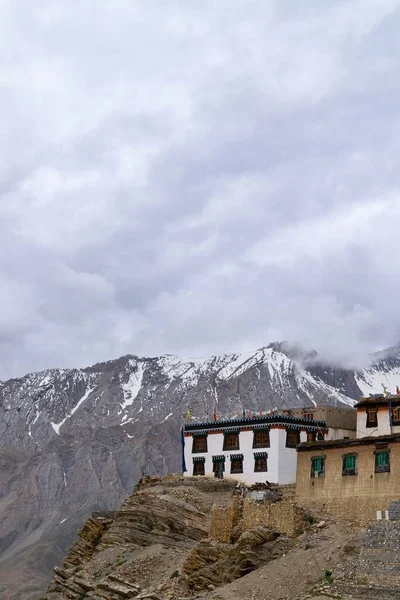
pixel 317 467
pixel 260 462
pixel 261 438
pixel 199 443
pixel 218 466
pixel 199 466
pixel 236 463
pixel 349 464
pixel 231 441
pixel 292 438
pixel 372 417
pixel 396 415
pixel 382 461
pixel 320 436
pixel 310 436
pixel 309 416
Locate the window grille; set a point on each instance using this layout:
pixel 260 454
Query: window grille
pixel 199 443
pixel 261 438
pixel 396 414
pixel 382 461
pixel 349 464
pixel 231 441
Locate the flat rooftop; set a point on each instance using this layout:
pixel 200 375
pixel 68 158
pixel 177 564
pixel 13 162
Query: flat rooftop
pixel 350 443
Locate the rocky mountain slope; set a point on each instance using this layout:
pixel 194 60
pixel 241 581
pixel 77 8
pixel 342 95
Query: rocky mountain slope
pixel 76 440
pixel 162 544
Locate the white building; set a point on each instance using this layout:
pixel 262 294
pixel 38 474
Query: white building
pixel 251 450
pixel 378 415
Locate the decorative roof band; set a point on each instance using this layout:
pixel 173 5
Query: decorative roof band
pixel 219 457
pixel 236 457
pixel 260 454
pixel 199 459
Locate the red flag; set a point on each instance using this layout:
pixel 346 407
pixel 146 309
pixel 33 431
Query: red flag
pixel 215 414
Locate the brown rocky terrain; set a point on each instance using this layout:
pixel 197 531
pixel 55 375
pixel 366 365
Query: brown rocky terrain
pixel 165 544
pixel 74 441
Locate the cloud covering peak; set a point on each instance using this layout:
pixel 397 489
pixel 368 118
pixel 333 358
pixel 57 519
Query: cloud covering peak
pixel 197 178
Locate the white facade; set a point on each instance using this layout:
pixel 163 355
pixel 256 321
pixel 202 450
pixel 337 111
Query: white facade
pixel 384 425
pixel 334 433
pixel 281 460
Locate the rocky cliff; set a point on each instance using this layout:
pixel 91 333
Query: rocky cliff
pixel 166 543
pixel 76 441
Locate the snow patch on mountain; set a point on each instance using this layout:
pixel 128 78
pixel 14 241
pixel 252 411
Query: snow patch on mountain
pixel 370 381
pixel 57 426
pixel 132 388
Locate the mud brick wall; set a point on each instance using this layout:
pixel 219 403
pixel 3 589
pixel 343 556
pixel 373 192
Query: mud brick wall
pixel 224 520
pixel 285 517
pixel 379 562
pixel 356 497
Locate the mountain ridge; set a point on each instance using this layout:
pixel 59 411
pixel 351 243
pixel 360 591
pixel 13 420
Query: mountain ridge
pixel 77 440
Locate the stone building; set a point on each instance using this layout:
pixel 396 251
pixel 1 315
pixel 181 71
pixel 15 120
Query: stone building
pixel 354 478
pixel 340 422
pixel 251 450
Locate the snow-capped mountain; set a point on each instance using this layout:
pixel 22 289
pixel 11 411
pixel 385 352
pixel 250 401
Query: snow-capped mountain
pixel 73 440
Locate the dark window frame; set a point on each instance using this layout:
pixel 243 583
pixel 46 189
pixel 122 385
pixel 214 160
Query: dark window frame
pixel 312 435
pixel 349 471
pixel 227 437
pixel 291 444
pixel 260 464
pixel 199 466
pixel 239 465
pixel 258 444
pixel 374 421
pixel 395 421
pixel 196 439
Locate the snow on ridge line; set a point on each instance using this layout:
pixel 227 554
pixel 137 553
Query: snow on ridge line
pixel 57 426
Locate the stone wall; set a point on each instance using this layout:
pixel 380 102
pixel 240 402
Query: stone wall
pixel 356 497
pixel 224 520
pixel 284 517
pixel 341 418
pixel 379 563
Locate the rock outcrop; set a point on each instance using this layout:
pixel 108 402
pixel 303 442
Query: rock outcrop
pixel 158 545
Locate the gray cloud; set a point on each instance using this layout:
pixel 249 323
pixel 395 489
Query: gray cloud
pixel 197 178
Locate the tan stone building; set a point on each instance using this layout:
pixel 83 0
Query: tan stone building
pixel 354 478
pixel 340 422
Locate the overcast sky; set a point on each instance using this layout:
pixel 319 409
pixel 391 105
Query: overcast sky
pixel 197 177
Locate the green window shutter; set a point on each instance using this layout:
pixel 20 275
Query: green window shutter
pixel 350 461
pixel 382 458
pixel 317 464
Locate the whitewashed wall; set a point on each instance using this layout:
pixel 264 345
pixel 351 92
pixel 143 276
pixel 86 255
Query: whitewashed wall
pixel 340 434
pixel 281 461
pixel 383 424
